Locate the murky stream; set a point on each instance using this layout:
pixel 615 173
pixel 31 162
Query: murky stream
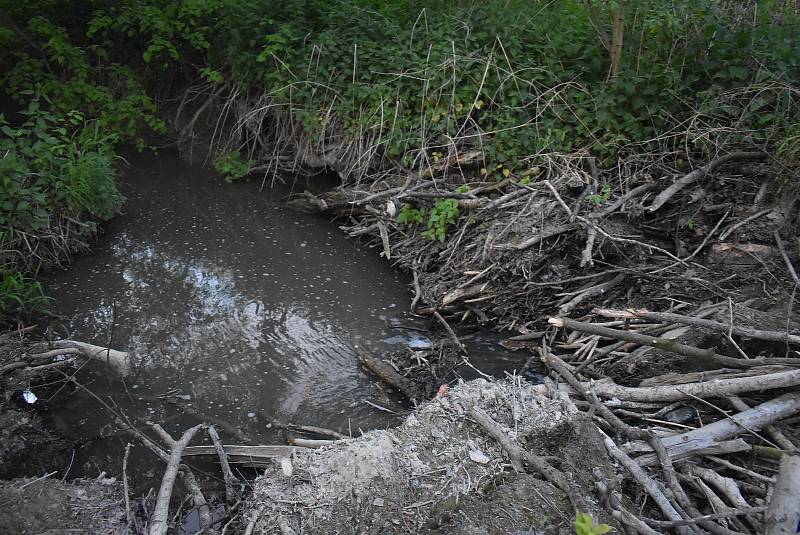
pixel 232 304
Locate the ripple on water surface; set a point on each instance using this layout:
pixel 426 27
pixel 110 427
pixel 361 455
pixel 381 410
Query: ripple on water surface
pixel 247 310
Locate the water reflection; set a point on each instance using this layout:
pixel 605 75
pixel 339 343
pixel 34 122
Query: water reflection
pixel 231 301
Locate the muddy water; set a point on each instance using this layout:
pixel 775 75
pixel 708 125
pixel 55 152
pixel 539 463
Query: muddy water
pixel 233 305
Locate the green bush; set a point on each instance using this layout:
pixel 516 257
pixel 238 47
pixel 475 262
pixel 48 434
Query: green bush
pixel 20 297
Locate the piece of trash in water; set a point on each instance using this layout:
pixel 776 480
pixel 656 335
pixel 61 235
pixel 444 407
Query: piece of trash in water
pixel 185 397
pixel 479 457
pixel 251 415
pixel 29 396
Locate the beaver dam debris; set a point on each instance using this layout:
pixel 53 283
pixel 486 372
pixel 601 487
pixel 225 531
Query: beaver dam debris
pixel 658 314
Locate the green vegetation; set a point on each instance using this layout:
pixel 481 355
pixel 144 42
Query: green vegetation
pixel 443 214
pixel 584 525
pixel 398 84
pixel 231 166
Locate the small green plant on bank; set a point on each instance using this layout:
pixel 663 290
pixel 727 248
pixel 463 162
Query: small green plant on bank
pixel 601 198
pixel 409 215
pixel 443 214
pixel 21 297
pixel 584 525
pixel 232 167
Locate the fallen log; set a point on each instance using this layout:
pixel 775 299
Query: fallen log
pixel 707 389
pixel 388 375
pixel 710 435
pixel 118 360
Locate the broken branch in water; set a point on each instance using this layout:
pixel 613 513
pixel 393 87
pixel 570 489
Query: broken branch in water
pixel 230 479
pixel 158 521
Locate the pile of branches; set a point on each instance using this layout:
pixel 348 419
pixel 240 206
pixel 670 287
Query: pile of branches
pixel 703 449
pixel 561 237
pixel 690 376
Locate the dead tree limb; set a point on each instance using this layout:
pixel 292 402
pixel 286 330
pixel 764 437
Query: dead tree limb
pixel 653 489
pixel 227 474
pixel 699 173
pixel 672 346
pixel 712 434
pixel 783 515
pixel 669 317
pixel 158 522
pixel 606 388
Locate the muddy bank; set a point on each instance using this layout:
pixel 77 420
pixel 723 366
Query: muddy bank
pixel 437 472
pixel 51 506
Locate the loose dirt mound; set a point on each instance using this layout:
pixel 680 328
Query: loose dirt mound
pixel 50 507
pixel 438 471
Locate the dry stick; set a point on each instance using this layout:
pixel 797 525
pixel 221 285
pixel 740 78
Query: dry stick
pixel 670 345
pixel 227 474
pixel 125 488
pixel 450 331
pixel 598 289
pixel 628 431
pixel 713 516
pixel 785 256
pixel 669 317
pixel 783 514
pixel 699 173
pixel 652 488
pixel 746 421
pixel 519 455
pixel 158 522
pixel 618 511
pixel 543 235
pixel 318 431
pixel 727 232
pixel 712 388
pixel 779 438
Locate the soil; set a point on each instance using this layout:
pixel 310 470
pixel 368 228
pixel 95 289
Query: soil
pixel 438 472
pixel 55 507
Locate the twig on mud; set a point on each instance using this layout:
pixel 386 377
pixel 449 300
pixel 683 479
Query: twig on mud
pixel 699 173
pixel 728 231
pixel 450 331
pixel 518 456
pixel 786 260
